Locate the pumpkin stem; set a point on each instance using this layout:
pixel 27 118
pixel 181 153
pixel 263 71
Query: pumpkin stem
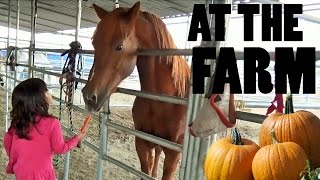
pixel 310 174
pixel 274 138
pixel 289 104
pixel 236 137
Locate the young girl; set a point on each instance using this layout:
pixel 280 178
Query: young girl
pixel 34 135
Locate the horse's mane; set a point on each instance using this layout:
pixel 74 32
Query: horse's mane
pixel 180 67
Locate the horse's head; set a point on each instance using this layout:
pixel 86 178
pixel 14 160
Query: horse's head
pixel 115 44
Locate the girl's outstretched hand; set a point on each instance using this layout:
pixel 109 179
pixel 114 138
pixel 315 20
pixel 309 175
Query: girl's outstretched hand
pixel 83 130
pixel 85 124
pixel 81 135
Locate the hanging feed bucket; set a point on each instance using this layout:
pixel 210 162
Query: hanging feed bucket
pixel 216 115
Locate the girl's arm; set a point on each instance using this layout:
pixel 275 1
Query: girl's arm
pixel 7 141
pixel 58 144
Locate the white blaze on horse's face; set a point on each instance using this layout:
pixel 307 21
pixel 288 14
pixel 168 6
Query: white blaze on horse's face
pixel 92 74
pixel 115 45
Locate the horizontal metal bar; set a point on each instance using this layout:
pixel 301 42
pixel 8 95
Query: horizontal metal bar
pixel 251 117
pixel 165 52
pixel 87 143
pixel 255 104
pixel 61 50
pixel 133 132
pixel 127 168
pixel 77 108
pixel 168 52
pixel 22 48
pixel 154 52
pixel 5 89
pixel 9 77
pixel 164 98
pixel 18 64
pixel 146 136
pixel 170 99
pixel 246 116
pixel 46 72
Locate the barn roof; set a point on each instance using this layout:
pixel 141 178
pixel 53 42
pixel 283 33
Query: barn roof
pixel 57 15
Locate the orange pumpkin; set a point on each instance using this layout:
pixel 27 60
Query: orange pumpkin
pixel 301 127
pixel 279 161
pixel 230 158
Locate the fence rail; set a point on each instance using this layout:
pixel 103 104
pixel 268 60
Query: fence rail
pixel 162 52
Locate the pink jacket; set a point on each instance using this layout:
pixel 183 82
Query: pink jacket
pixel 32 159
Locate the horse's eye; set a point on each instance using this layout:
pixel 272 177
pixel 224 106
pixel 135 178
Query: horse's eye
pixel 119 48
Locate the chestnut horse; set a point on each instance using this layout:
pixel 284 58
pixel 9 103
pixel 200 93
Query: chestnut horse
pixel 118 36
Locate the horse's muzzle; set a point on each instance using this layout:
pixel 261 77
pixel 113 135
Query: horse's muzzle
pixel 191 130
pixel 90 99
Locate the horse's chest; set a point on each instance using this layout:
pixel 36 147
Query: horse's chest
pixel 157 118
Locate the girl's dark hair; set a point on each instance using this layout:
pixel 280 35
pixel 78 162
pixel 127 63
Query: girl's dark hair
pixel 28 101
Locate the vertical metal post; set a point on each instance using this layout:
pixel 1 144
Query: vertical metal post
pixel 202 146
pixel 9 25
pixel 17 40
pixel 194 142
pixel 78 19
pixel 205 142
pixel 7 87
pixel 78 27
pixel 103 117
pixel 191 144
pixel 32 40
pixel 195 148
pixel 67 156
pixel 187 139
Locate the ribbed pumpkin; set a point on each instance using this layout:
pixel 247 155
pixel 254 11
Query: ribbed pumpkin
pixel 230 158
pixel 301 127
pixel 279 161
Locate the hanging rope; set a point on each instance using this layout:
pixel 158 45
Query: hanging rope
pixel 68 72
pixel 10 58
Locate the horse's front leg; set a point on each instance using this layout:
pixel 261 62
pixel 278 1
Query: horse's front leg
pixel 157 153
pixel 170 163
pixel 144 150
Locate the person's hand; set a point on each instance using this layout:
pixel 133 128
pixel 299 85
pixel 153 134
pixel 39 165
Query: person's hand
pixel 83 130
pixel 81 135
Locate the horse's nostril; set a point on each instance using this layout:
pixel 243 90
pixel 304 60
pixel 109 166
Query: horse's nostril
pixel 89 96
pixel 94 98
pixel 191 130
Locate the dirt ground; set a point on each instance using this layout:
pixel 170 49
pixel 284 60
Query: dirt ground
pixel 83 162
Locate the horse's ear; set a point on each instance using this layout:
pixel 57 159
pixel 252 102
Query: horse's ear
pixel 134 11
pixel 99 11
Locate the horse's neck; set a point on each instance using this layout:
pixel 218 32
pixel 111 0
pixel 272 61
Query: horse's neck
pixel 155 76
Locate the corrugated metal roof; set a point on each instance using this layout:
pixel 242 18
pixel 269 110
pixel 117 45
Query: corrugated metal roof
pixel 55 15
